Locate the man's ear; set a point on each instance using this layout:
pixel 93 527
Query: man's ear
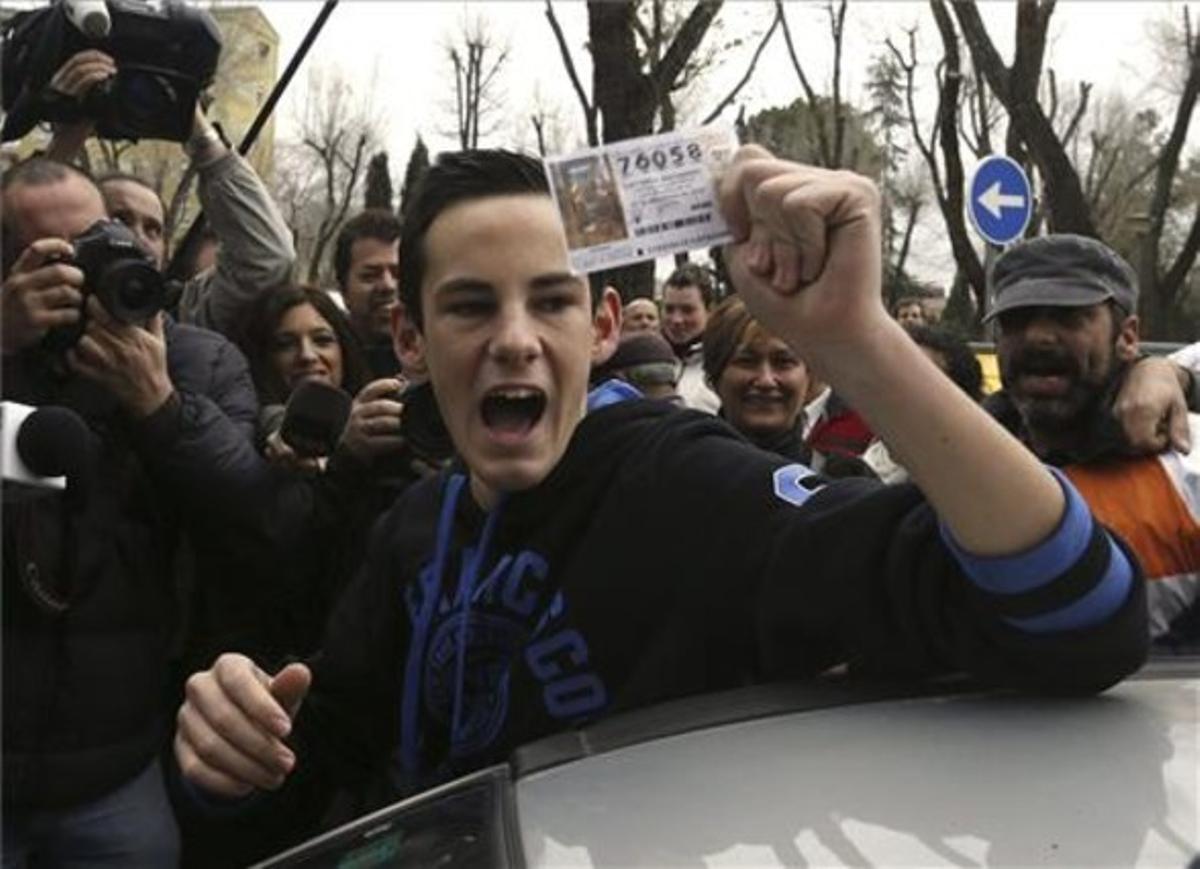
pixel 408 343
pixel 1128 339
pixel 606 326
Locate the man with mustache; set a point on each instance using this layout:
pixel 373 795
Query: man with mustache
pixel 1068 337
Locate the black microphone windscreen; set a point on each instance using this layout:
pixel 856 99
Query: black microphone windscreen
pixel 315 416
pixel 54 442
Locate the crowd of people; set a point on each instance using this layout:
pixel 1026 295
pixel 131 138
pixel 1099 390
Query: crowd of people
pixel 537 505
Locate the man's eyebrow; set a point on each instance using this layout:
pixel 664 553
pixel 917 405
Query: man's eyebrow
pixel 463 285
pixel 555 279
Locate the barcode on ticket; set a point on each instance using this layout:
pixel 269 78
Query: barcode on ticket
pixel 655 228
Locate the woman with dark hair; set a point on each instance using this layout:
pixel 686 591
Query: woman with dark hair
pixel 299 333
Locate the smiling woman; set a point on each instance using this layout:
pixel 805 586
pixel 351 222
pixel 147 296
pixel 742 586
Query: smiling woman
pixel 761 382
pixel 298 334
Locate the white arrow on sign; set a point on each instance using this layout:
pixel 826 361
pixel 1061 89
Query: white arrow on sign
pixel 993 200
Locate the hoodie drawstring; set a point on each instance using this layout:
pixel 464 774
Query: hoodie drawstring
pixel 467 591
pixel 411 694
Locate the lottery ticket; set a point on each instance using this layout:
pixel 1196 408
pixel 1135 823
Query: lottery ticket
pixel 642 198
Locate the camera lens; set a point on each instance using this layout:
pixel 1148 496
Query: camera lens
pixel 131 290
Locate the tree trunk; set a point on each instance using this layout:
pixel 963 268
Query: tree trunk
pixel 1016 88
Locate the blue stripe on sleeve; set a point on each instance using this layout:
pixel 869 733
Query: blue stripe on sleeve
pixel 611 392
pixel 1105 598
pixel 1014 574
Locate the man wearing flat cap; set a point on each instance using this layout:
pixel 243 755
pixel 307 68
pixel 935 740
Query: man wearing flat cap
pixel 1065 307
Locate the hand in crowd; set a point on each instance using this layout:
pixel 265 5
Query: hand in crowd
pixel 128 361
pixel 373 429
pixel 81 72
pixel 230 731
pixel 278 452
pixel 806 251
pixel 40 293
pixel 1152 407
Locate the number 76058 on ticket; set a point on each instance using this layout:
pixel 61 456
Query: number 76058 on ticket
pixel 642 198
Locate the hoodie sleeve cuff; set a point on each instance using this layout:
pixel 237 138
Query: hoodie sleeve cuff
pixel 1076 578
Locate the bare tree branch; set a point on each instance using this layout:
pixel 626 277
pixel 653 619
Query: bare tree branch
pixel 809 94
pixel 732 95
pixel 837 27
pixel 1085 91
pixel 685 43
pixel 589 110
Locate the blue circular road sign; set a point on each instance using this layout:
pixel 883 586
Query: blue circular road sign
pixel 1001 201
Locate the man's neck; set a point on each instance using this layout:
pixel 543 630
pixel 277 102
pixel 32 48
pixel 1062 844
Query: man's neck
pixel 686 348
pixel 1046 444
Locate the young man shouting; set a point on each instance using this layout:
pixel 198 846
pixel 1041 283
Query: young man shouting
pixel 591 555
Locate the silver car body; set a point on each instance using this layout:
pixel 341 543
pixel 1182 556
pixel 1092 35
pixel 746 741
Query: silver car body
pixel 961 780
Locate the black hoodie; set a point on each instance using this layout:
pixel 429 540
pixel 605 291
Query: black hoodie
pixel 665 556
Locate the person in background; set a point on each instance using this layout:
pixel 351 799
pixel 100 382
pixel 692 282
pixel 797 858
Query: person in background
pixel 645 360
pixel 254 252
pixel 366 266
pixel 762 385
pixel 910 311
pixel 957 360
pixel 688 294
pixel 95 608
pixel 640 315
pixel 832 429
pixel 294 335
pixel 1068 336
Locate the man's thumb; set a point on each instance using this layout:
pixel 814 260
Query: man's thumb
pixel 289 686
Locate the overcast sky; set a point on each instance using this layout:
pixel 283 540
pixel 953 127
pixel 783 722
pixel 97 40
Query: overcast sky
pixel 401 47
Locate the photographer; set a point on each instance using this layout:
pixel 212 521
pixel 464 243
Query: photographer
pixel 90 609
pixel 255 252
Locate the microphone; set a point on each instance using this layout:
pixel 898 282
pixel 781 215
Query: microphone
pixel 43 447
pixel 90 16
pixel 314 418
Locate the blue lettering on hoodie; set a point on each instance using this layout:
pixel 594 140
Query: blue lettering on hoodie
pixel 464 648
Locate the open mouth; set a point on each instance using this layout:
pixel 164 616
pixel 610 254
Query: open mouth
pixel 513 411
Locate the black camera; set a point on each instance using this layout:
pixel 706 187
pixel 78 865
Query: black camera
pixel 166 53
pixel 118 272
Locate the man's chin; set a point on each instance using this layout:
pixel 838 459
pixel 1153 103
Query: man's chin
pixel 495 478
pixel 1058 414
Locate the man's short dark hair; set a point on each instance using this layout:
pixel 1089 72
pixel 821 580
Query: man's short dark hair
pixel 35 171
pixel 962 366
pixel 133 179
pixel 692 275
pixel 457 177
pixel 376 223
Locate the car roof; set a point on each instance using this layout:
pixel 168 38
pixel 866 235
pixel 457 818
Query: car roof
pixel 961 778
